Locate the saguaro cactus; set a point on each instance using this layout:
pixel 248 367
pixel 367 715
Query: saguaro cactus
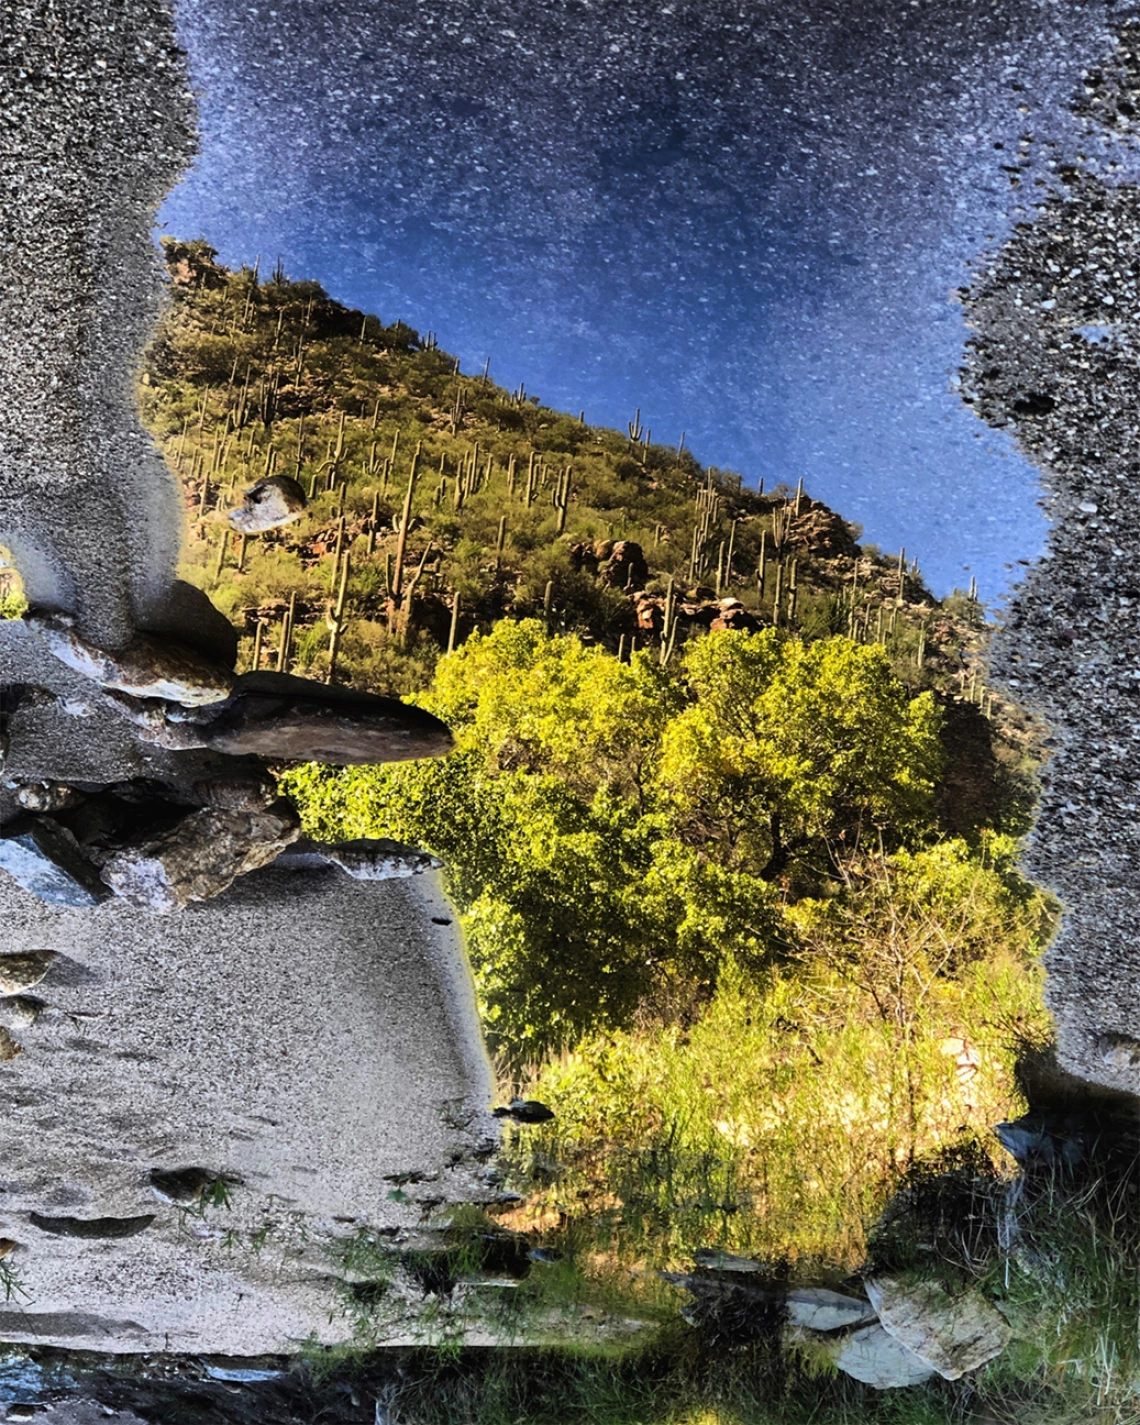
pixel 405 521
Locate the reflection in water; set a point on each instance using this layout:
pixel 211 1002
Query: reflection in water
pixel 729 827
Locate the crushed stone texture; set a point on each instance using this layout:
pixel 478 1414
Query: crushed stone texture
pixel 96 124
pixel 305 1036
pixel 1055 360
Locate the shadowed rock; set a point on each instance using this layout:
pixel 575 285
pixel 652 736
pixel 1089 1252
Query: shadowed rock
pixel 525 1110
pixel 148 667
pixel 46 859
pixel 184 1186
pixel 363 860
pixel 816 1308
pixel 199 857
pixel 287 719
pixel 93 1227
pixel 236 793
pixel 9 1049
pixel 952 1334
pixel 269 504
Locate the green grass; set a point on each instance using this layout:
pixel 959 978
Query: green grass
pixel 11 1284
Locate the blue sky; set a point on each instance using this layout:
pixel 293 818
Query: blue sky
pixel 747 220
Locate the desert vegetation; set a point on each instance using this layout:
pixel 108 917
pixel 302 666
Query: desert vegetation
pixel 732 827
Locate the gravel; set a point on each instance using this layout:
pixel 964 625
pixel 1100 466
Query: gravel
pixel 1055 360
pixel 96 124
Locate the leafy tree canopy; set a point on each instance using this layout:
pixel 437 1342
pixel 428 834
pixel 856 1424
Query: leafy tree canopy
pixel 608 828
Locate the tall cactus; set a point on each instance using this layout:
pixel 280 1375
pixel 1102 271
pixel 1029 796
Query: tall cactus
pixel 405 521
pixel 336 619
pixel 561 497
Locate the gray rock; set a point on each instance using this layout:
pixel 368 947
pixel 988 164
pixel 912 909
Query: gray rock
pixel 286 719
pixel 952 1334
pixel 269 504
pixel 237 793
pixel 815 1308
pixel 46 859
pixel 24 970
pixel 1035 1143
pixel 198 858
pixel 148 667
pixel 48 797
pixel 363 860
pixel 873 1356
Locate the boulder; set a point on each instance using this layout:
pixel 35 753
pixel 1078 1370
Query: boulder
pixel 625 568
pixel 875 1357
pixel 9 1049
pixel 271 503
pixel 732 614
pixel 951 1332
pixel 23 970
pixel 46 860
pixel 149 667
pixel 363 860
pixel 816 1308
pixel 286 719
pixel 199 857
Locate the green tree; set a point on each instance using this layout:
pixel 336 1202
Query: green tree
pixel 790 749
pixel 607 828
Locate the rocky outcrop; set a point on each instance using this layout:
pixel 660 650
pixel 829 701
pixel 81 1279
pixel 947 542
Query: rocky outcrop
pixel 148 667
pixel 951 1333
pixel 818 530
pixel 625 567
pixel 363 860
pixel 46 860
pixel 269 504
pixel 199 857
pixel 731 613
pixel 287 719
